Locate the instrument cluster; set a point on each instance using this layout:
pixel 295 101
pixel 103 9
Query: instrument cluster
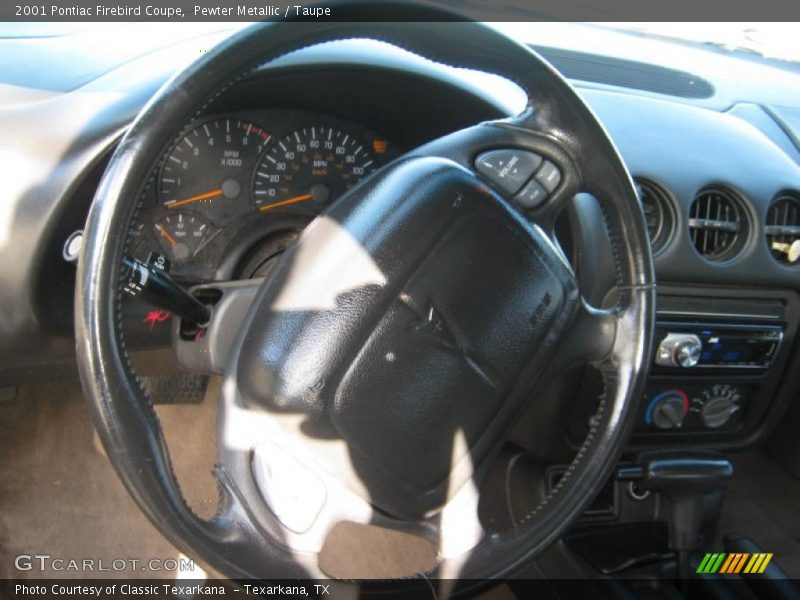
pixel 228 177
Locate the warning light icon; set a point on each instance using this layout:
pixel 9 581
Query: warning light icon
pixel 379 146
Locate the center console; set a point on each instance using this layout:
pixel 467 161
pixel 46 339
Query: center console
pixel 717 383
pixel 717 373
pixel 718 360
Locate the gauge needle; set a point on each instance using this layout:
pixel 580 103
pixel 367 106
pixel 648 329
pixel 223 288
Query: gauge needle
pixel 198 198
pixel 167 235
pixel 287 202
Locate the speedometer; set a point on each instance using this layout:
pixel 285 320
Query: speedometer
pixel 310 164
pixel 209 169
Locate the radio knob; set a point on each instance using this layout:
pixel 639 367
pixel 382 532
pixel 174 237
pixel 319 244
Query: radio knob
pixel 687 352
pixel 679 350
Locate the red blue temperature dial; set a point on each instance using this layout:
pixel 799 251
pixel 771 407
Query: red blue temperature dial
pixel 668 409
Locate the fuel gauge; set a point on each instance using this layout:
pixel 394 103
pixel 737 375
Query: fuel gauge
pixel 183 235
pixel 137 236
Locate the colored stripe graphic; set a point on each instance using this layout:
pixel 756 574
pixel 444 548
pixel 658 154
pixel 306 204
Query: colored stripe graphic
pixel 735 562
pixel 758 563
pixel 704 563
pixel 731 560
pixel 738 566
pixel 717 563
pixel 711 562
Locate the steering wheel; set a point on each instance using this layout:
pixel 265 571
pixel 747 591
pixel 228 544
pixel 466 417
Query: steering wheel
pixel 373 375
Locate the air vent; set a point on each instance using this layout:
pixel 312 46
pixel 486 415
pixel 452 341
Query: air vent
pixel 717 224
pixel 658 212
pixel 782 228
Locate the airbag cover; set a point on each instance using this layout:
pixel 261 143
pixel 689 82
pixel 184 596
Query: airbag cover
pixel 409 320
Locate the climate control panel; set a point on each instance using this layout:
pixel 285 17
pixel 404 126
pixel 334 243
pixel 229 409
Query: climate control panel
pixel 696 407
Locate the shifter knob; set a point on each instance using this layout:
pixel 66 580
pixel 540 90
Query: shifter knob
pixel 685 472
pixel 685 480
pixel 692 484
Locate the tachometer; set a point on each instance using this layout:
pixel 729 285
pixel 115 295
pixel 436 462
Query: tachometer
pixel 311 164
pixel 210 168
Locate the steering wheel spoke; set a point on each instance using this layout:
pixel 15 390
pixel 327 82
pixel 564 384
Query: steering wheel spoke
pixel 297 503
pixel 546 215
pixel 590 337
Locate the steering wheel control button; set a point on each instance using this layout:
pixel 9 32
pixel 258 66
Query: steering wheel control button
pixel 293 492
pixel 509 168
pixel 549 176
pixel 532 195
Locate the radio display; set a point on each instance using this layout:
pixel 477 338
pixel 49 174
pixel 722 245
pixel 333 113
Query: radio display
pixel 731 345
pixel 734 350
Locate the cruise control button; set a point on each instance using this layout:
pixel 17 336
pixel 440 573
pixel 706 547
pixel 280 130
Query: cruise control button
pixel 549 176
pixel 509 168
pixel 532 195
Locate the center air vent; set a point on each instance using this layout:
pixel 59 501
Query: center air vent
pixel 783 227
pixel 658 213
pixel 717 224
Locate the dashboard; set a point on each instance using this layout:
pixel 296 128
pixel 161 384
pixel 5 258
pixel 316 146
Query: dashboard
pixel 720 188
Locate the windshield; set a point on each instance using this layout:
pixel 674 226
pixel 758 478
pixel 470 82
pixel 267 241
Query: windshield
pixel 771 40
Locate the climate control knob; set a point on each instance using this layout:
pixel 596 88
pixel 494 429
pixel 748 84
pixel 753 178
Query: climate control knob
pixel 668 409
pixel 721 403
pixel 679 350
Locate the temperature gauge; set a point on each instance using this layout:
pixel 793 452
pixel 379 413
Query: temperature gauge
pixel 183 235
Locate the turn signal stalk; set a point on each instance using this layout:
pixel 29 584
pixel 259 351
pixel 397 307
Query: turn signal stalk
pixel 154 286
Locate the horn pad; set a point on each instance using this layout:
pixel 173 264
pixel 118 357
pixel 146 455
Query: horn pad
pixel 409 321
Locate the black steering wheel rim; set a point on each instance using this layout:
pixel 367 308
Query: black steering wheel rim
pixel 233 542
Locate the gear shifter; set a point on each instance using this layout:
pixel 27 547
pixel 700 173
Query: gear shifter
pixel 692 485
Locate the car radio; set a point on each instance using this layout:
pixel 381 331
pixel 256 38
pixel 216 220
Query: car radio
pixel 716 345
